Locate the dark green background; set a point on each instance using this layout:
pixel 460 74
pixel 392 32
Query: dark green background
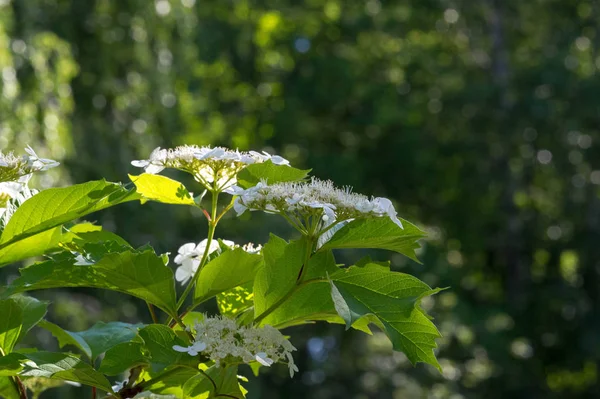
pixel 478 118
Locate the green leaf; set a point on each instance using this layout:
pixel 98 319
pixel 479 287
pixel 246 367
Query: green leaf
pixel 65 337
pixel 394 299
pixel 159 340
pixel 228 270
pixel 97 340
pixel 8 390
pixel 311 300
pixel 379 233
pixel 236 300
pixel 38 385
pixel 53 207
pixel 122 357
pixel 33 312
pixel 252 174
pixel 35 245
pixel 171 385
pixel 49 241
pixel 140 274
pixel 309 303
pixel 59 366
pixel 282 265
pixel 11 324
pixel 224 384
pixel 162 189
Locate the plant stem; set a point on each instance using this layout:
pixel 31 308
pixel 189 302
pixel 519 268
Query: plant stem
pixel 307 255
pixel 17 381
pixel 94 393
pixel 20 387
pixel 152 313
pixel 180 322
pixel 212 224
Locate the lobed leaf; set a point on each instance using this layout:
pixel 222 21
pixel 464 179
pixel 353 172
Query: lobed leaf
pixel 378 233
pixel 394 299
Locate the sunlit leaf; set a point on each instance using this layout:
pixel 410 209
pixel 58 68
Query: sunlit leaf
pixel 228 270
pixel 11 324
pixel 379 233
pixel 269 172
pixel 55 206
pixel 392 297
pixel 161 189
pixel 141 274
pixel 279 273
pixel 60 366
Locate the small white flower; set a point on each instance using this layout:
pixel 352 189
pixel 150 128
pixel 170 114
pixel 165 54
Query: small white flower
pixel 191 350
pixel 38 163
pixel 262 358
pixel 155 164
pixel 385 206
pixel 189 255
pixel 19 169
pixel 187 270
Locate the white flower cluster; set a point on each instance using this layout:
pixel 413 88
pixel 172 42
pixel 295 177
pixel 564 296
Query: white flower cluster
pixel 305 202
pixel 13 168
pixel 222 340
pixel 213 167
pixel 15 173
pixel 189 256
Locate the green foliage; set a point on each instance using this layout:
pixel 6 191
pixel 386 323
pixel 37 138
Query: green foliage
pixel 35 216
pixel 161 189
pixel 122 357
pixel 59 366
pixel 159 341
pixel 371 289
pixel 10 324
pixel 19 315
pixel 141 274
pixel 95 341
pixel 224 383
pixel 8 390
pixel 282 264
pixel 379 233
pixel 229 270
pixel 236 300
pixel 269 172
pixel 282 284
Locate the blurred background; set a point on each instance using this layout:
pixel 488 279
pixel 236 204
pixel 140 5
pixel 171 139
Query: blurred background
pixel 478 118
